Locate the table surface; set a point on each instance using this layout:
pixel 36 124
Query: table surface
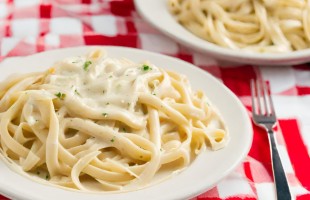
pixel 30 26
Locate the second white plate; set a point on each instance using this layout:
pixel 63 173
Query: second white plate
pixel 157 14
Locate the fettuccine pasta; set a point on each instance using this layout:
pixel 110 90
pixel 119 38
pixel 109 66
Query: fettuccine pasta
pixel 94 123
pixel 251 25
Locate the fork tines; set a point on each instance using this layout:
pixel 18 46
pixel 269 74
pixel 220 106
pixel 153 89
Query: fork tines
pixel 261 100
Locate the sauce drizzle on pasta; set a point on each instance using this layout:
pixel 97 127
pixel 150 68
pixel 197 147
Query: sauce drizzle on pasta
pixel 94 123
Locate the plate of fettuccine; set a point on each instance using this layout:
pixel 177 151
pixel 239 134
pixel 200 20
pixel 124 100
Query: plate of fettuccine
pixel 116 123
pixel 253 32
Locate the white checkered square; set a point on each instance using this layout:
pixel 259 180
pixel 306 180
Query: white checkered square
pixel 3 10
pixel 104 24
pixel 51 40
pixel 265 191
pixel 25 27
pixel 302 78
pixel 24 3
pixel 31 40
pixel 158 43
pixel 276 77
pixel 7 44
pixel 203 60
pixel 65 26
pixel 234 184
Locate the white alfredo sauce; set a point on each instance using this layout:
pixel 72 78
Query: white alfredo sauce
pixel 104 84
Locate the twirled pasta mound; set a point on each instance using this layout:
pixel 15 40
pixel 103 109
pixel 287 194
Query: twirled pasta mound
pixel 95 123
pixel 252 25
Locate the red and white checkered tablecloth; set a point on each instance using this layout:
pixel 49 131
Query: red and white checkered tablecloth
pixel 30 26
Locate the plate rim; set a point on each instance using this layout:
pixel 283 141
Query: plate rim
pixel 243 112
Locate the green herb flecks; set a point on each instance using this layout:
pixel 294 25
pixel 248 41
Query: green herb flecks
pixel 105 114
pixel 77 92
pixel 113 139
pixel 146 68
pixel 86 65
pixel 60 95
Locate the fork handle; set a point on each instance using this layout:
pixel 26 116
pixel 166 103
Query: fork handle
pixel 282 188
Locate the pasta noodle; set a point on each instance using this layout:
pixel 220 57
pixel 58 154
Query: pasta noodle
pixel 94 123
pixel 251 25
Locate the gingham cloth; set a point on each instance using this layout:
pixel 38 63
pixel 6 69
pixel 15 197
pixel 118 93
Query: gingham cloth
pixel 31 26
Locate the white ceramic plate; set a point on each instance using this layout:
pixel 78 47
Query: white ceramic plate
pixel 207 170
pixel 156 13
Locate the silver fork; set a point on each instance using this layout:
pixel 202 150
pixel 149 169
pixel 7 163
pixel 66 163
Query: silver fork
pixel 264 116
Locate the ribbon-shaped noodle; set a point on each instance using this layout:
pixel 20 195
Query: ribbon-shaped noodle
pixel 252 25
pixel 95 123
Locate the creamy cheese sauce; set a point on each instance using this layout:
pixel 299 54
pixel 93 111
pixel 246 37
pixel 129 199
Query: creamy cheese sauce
pixel 94 123
pixel 105 85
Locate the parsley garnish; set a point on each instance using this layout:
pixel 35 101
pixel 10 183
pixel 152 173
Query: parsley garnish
pixel 113 139
pixel 86 65
pixel 105 114
pixel 60 95
pixel 107 103
pixel 146 68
